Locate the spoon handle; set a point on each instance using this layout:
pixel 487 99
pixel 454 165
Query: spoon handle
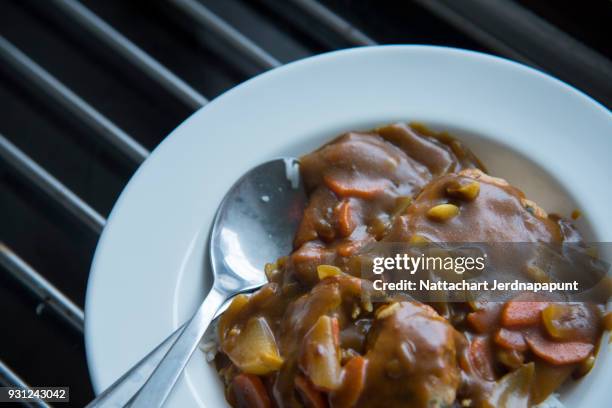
pixel 158 386
pixel 123 390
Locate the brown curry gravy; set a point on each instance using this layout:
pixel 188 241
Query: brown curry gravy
pixel 333 349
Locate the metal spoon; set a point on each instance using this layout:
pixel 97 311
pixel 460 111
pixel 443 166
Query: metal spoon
pixel 255 224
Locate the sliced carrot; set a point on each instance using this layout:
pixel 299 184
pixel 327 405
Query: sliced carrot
pixel 250 392
pixel 336 331
pixel 482 358
pixel 478 321
pixel 484 320
pixel 345 187
pixel 311 397
pixel 344 215
pixel 353 381
pixel 522 313
pixel 510 339
pixel 557 353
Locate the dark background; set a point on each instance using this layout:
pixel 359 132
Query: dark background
pixel 38 345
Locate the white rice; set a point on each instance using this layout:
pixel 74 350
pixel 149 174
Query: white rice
pixel 551 402
pixel 210 342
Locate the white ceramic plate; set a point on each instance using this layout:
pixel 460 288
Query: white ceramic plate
pixel 149 271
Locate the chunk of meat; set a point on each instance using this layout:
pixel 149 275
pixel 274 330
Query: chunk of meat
pixel 304 261
pixel 356 180
pixel 411 360
pixel 362 163
pixel 429 148
pixel 498 214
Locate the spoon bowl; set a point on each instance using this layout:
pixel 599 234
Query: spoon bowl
pixel 255 224
pixel 250 228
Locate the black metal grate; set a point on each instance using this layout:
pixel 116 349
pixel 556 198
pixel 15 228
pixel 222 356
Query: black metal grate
pixel 89 87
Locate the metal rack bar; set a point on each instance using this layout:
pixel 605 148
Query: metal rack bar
pixel 473 30
pixel 10 379
pixel 41 288
pixel 334 22
pixel 207 19
pixel 71 101
pixel 529 39
pixel 132 53
pixel 50 185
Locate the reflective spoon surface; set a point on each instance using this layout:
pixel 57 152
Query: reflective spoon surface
pixel 255 224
